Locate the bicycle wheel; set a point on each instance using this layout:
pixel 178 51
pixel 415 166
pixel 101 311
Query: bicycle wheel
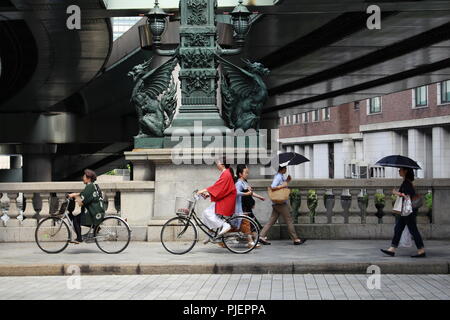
pixel 52 235
pixel 179 235
pixel 112 235
pixel 244 231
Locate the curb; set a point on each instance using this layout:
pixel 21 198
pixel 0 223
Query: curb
pixel 261 268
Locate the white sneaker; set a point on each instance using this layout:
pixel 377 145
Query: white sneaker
pixel 225 228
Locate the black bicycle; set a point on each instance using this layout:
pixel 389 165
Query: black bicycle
pixel 180 234
pixel 54 233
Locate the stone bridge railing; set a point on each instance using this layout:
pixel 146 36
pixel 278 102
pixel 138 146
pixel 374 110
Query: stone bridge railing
pixel 346 208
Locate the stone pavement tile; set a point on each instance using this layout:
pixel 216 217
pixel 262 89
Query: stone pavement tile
pixel 207 287
pixel 218 287
pixel 136 290
pixel 230 288
pixel 324 289
pixel 242 287
pixel 118 284
pixel 410 287
pixel 196 286
pixel 150 292
pixel 361 290
pixel 335 287
pixel 301 293
pixel 288 287
pixel 276 292
pixel 375 293
pixel 174 282
pixel 130 286
pixel 100 287
pixel 187 282
pixel 253 287
pixel 427 290
pixel 441 291
pixel 265 289
pixel 347 287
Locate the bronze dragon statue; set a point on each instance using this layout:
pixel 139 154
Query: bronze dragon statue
pixel 244 93
pixel 154 97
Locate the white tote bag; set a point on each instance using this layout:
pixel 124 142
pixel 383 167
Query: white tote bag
pixel 406 239
pixel 398 205
pixel 407 206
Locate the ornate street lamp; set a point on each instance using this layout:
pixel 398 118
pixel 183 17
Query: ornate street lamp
pixel 156 20
pixel 241 23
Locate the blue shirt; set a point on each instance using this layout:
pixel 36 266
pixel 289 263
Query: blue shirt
pixel 240 187
pixel 278 180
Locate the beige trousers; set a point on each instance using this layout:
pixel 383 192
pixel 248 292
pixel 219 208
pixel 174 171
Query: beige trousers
pixel 285 211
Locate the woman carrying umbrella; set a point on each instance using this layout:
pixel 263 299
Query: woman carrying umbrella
pixel 280 182
pixel 406 166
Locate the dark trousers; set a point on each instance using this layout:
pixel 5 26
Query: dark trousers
pixel 409 221
pixel 76 220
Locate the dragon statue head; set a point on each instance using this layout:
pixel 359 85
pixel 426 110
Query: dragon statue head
pixel 140 70
pixel 256 67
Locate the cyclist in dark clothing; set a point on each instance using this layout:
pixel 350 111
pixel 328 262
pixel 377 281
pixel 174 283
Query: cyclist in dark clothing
pixel 406 189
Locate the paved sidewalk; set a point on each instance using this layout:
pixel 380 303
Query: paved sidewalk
pixel 226 287
pixel 315 256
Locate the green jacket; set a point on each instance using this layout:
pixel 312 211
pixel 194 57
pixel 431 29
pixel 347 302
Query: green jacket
pixel 93 202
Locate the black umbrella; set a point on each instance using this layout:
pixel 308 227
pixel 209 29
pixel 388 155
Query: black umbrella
pixel 291 159
pixel 398 161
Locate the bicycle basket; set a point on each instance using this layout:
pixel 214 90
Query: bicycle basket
pixel 183 206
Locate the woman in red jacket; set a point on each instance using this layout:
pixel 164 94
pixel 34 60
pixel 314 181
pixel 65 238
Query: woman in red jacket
pixel 223 198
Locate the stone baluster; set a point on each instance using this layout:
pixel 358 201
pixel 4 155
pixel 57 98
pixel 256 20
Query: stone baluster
pixel 111 208
pixel 371 209
pixel 45 210
pixel 304 210
pixel 29 213
pixel 13 211
pixel 329 204
pixel 61 198
pixel 338 210
pixel 388 217
pixel 321 209
pixel 355 211
pixel 346 201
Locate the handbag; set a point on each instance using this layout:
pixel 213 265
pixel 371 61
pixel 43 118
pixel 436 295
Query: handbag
pixel 407 206
pixel 279 196
pixel 398 205
pixel 417 201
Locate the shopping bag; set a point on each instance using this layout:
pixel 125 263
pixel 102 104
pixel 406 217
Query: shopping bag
pixel 406 239
pixel 398 205
pixel 407 206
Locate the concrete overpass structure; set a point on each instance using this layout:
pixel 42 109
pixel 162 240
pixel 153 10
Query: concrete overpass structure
pixel 64 94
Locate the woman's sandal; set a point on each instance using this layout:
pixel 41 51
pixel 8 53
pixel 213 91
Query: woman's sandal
pixel 264 242
pixel 297 243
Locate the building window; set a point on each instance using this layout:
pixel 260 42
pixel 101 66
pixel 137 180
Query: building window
pixel 420 97
pixel 445 92
pixel 356 105
pixel 315 115
pixel 326 113
pixel 305 117
pixel 375 105
pixel 296 118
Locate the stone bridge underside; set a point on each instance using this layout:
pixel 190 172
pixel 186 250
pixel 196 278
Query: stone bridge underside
pixel 64 94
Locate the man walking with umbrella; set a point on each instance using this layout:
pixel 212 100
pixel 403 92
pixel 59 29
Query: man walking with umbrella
pixel 406 190
pixel 282 207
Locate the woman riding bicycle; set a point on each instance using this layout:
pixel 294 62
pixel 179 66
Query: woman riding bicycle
pixel 223 198
pixel 91 200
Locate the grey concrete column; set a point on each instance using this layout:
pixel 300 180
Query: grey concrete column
pixel 37 162
pixel 440 153
pixel 15 162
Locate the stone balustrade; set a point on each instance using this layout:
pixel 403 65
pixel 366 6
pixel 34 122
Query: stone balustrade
pixel 346 208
